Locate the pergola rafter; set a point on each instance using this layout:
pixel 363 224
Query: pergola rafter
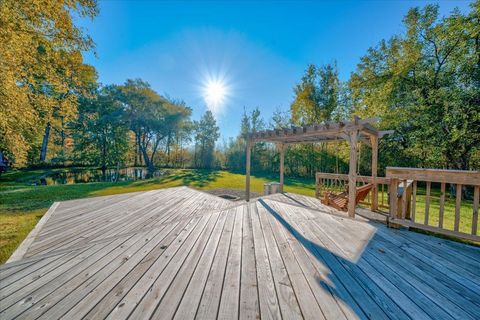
pixel 358 130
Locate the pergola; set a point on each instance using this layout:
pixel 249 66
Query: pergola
pixel 358 130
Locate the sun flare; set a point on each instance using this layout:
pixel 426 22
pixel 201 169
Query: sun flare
pixel 215 93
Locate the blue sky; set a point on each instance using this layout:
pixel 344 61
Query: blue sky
pixel 259 49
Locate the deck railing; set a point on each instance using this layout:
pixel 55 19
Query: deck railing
pixel 425 190
pixel 333 182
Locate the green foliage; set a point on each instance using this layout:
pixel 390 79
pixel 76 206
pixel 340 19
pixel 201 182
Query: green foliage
pixel 425 84
pixel 206 134
pixel 151 117
pixel 41 68
pixel 317 96
pixel 100 132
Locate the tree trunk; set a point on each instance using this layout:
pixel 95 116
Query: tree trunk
pixel 63 140
pixel 135 160
pixel 104 158
pixel 43 152
pixel 168 149
pixel 149 164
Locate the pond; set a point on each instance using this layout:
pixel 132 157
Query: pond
pixel 85 175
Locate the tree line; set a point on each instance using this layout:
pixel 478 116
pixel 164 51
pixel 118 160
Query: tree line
pixel 423 83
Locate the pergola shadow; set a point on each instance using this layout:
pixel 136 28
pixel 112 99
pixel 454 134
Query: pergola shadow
pixel 331 284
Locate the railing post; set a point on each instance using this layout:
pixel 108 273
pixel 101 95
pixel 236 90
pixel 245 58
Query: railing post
pixel 318 185
pixel 281 148
pixel 247 167
pixel 393 190
pixel 476 196
pixel 352 174
pixel 374 143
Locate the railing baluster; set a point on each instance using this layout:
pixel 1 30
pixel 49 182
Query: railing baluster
pixel 414 201
pixel 404 199
pixel 475 209
pixel 442 205
pixel 393 198
pixel 427 202
pixel 383 193
pixel 458 204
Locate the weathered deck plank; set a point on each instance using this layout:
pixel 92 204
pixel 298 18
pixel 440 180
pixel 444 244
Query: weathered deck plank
pixel 184 254
pixel 267 295
pixel 229 301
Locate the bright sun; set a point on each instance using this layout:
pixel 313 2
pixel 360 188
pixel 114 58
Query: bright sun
pixel 215 93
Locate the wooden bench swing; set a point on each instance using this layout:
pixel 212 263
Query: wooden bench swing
pixel 340 201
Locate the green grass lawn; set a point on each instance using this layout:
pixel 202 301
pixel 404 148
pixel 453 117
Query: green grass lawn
pixel 22 204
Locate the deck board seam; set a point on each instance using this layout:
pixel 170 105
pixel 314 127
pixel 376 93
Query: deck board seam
pixel 269 261
pixel 167 265
pixel 105 294
pixel 55 276
pixel 422 292
pixel 152 264
pixel 196 266
pixel 189 255
pixel 430 266
pixel 102 266
pixel 269 220
pixel 366 273
pixel 46 246
pixel 224 271
pixel 317 257
pixel 228 215
pixel 358 269
pixel 445 270
pixel 241 261
pixel 22 249
pixel 437 252
pixel 249 211
pixel 286 230
pixel 152 235
pixel 459 296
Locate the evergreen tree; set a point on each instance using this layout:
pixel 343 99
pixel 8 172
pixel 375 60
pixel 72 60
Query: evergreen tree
pixel 206 135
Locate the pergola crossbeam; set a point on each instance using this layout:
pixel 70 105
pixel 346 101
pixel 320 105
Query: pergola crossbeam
pixel 318 130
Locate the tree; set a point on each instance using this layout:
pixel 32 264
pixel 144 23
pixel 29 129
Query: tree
pixel 280 119
pixel 206 134
pixel 151 117
pixel 101 130
pixel 316 97
pixel 41 68
pixel 425 85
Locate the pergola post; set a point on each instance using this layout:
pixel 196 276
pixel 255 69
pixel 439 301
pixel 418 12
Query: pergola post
pixel 374 143
pixel 281 147
pixel 247 168
pixel 352 174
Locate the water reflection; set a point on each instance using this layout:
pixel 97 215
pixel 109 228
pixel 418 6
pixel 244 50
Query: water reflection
pixel 74 175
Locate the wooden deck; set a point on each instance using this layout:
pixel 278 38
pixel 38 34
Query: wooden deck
pixel 183 254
